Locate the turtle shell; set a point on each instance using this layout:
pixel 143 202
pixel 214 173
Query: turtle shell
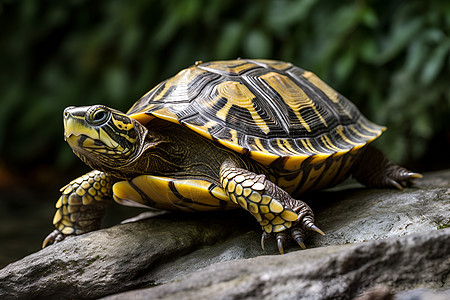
pixel 264 108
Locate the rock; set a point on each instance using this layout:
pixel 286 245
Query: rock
pixel 110 260
pixel 333 272
pixel 205 254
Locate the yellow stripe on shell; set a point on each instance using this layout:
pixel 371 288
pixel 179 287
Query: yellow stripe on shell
pixel 235 146
pixel 375 131
pixel 238 94
pixel 355 131
pixel 292 95
pixel 183 76
pixel 258 145
pixel 202 130
pixel 277 65
pixel 327 143
pixel 340 131
pixel 165 114
pixel 228 66
pixel 329 92
pixel 142 117
pixel 308 146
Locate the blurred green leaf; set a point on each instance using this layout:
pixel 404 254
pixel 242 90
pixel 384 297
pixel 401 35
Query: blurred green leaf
pixel 435 62
pixel 257 45
pixel 401 36
pixel 389 57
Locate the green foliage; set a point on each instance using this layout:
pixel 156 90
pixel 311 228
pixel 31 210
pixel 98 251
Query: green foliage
pixel 389 57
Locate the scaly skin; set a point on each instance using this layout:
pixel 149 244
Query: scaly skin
pixel 82 205
pixel 275 210
pixel 374 169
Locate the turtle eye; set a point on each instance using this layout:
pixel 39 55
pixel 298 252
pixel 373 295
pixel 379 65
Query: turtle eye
pixel 98 116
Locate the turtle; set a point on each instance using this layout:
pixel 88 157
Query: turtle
pixel 254 134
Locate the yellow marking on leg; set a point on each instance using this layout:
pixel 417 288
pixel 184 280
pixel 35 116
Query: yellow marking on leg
pixel 266 199
pixel 264 209
pixel 268 228
pixel 277 221
pixel 247 192
pixel 252 207
pixel 242 202
pixel 58 216
pixel 278 228
pixel 275 206
pixel 255 197
pixel 257 216
pixel 289 215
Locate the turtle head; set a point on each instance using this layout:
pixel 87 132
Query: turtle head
pixel 104 138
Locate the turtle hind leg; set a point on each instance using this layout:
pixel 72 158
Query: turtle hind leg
pixel 374 169
pixel 277 212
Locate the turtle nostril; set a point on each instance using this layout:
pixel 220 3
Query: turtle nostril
pixel 66 111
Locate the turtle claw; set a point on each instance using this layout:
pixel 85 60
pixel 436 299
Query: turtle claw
pixel 316 229
pixel 414 175
pixel 54 237
pixel 298 233
pixel 394 183
pixel 400 178
pixel 264 237
pixel 280 246
pixel 299 241
pixel 281 239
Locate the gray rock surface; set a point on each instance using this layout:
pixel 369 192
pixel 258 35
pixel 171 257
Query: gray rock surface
pixel 333 272
pixel 218 254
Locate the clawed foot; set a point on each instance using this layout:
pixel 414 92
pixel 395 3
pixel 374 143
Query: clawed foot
pixel 54 237
pixel 298 233
pixel 399 177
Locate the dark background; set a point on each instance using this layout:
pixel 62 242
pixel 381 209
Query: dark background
pixel 389 57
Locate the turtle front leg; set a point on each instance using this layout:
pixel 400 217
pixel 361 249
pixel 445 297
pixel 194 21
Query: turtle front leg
pixel 82 205
pixel 275 210
pixel 374 169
